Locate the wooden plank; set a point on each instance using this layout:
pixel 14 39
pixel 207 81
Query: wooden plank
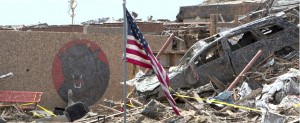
pixel 109 108
pixel 213 24
pixel 236 20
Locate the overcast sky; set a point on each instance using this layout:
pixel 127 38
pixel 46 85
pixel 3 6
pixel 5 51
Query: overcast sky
pixel 55 12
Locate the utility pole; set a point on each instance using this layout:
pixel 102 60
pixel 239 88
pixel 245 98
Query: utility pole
pixel 72 6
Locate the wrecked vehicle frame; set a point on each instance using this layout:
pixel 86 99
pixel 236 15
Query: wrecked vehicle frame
pixel 224 55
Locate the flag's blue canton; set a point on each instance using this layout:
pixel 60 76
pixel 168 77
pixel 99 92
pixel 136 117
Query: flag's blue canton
pixel 134 30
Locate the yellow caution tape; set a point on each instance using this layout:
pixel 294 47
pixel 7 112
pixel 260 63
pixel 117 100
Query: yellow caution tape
pixel 41 107
pixel 50 112
pixel 297 105
pixel 131 105
pixel 215 101
pixel 37 115
pixel 219 102
pixel 26 104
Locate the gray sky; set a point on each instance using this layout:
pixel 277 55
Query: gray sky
pixel 55 12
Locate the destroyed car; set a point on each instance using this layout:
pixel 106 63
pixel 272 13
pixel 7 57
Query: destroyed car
pixel 224 55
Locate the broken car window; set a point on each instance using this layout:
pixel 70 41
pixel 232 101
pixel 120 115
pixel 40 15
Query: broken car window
pixel 234 40
pixel 241 40
pixel 214 52
pixel 270 29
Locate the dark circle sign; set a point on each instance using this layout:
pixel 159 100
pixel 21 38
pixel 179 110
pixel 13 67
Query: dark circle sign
pixel 81 66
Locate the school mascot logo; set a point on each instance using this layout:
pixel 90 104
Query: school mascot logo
pixel 80 65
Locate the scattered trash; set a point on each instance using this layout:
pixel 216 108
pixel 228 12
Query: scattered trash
pixel 288 105
pixel 109 103
pixel 276 91
pixel 225 96
pixel 39 113
pixel 268 117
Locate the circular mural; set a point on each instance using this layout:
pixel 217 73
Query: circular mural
pixel 81 66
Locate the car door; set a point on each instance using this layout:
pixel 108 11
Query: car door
pixel 212 61
pixel 246 44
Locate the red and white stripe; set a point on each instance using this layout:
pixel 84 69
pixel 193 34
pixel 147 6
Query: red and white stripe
pixel 135 54
pixel 164 80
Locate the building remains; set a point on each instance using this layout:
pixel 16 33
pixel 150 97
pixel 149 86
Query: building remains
pixel 228 61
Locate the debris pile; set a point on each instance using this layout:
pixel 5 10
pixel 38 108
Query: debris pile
pixel 219 79
pixel 269 92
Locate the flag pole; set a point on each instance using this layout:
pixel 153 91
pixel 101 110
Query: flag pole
pixel 124 57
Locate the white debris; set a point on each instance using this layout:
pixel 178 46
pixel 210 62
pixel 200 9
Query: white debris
pixel 133 81
pixel 288 102
pixel 283 83
pixel 6 75
pixel 243 92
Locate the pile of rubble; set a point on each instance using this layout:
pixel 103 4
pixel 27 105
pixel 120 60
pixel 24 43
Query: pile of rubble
pixel 269 92
pixel 219 79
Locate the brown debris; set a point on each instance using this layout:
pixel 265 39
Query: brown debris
pixel 192 109
pixel 198 104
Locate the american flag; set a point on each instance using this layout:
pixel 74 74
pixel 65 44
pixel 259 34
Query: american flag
pixel 139 53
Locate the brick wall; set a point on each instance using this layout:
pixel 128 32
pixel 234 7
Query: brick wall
pixel 64 28
pixel 29 55
pixel 90 29
pixel 146 28
pixel 150 28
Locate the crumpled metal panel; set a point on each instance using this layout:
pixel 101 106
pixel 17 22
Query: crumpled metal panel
pixel 149 83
